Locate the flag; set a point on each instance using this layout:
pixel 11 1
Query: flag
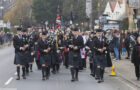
pixel 62 24
pixel 58 21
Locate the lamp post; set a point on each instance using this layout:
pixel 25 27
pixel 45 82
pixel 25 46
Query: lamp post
pixel 135 21
pixel 1 18
pixel 1 8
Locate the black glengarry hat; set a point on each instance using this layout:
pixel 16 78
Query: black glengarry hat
pixel 19 29
pixel 99 30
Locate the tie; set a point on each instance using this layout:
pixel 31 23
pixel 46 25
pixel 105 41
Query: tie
pixel 100 39
pixel 20 37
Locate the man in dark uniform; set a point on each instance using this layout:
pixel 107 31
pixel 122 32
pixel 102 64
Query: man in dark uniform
pixel 100 54
pixel 54 55
pixel 45 56
pixel 90 47
pixel 19 53
pixel 74 54
pixel 26 52
pixel 30 55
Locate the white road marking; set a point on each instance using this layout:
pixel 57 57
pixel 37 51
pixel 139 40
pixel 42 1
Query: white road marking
pixel 10 79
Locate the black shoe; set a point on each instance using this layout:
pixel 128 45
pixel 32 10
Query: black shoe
pixel 99 81
pixel 43 78
pixel 53 72
pixel 18 78
pixel 76 79
pixel 31 70
pixel 102 80
pixel 72 80
pixel 24 77
pixel 47 77
pixel 138 78
pixel 96 78
pixel 127 58
pixel 93 75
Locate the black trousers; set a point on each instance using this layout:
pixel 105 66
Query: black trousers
pixel 66 63
pixel 38 64
pixel 84 63
pixel 128 51
pixel 137 71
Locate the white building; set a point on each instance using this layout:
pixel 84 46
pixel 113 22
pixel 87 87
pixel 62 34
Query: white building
pixel 116 9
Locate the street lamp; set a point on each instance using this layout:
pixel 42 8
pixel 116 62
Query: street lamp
pixel 1 19
pixel 135 21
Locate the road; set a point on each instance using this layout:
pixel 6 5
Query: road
pixel 60 81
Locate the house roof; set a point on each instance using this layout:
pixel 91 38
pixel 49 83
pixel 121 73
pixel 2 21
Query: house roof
pixel 113 5
pixel 121 1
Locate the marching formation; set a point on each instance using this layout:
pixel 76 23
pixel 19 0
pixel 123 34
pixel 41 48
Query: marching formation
pixel 49 48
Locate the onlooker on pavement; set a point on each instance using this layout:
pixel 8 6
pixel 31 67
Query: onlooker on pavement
pixel 115 42
pixel 136 58
pixel 127 44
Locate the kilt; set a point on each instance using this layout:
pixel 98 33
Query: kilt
pixel 72 62
pixel 45 59
pixel 28 57
pixel 101 60
pixel 55 58
pixel 20 59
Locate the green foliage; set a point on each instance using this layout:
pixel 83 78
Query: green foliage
pixel 125 24
pixel 78 8
pixel 5 29
pixel 45 10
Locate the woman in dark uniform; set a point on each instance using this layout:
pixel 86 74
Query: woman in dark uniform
pixel 19 53
pixel 45 56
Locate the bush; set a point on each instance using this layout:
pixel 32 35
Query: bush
pixel 5 29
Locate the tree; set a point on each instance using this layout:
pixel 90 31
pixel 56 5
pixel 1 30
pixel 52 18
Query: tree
pixel 77 7
pixel 21 10
pixel 45 10
pixel 124 24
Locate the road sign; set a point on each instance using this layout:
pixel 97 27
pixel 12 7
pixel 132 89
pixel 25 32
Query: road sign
pixel 111 26
pixel 1 23
pixel 8 24
pixel 88 7
pixel 134 3
pixel 46 23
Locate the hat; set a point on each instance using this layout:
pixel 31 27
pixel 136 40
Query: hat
pixel 24 30
pixel 75 29
pixel 44 33
pixel 19 29
pixel 99 30
pixel 92 33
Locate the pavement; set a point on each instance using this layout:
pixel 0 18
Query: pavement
pixel 125 69
pixel 60 81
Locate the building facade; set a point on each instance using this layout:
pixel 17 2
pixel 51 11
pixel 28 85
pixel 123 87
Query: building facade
pixel 116 10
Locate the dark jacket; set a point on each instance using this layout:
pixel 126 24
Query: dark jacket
pixel 18 43
pixel 99 45
pixel 42 46
pixel 136 55
pixel 90 43
pixel 115 42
